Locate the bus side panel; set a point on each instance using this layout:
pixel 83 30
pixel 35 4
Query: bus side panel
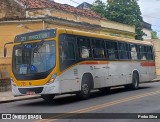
pixel 69 80
pixel 120 72
pixel 152 73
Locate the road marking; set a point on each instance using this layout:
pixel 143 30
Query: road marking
pixel 104 105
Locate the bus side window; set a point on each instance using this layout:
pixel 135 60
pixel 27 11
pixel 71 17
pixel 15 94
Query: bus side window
pixel 129 51
pixel 111 47
pixel 84 47
pixel 138 52
pixel 134 51
pixel 67 51
pixel 123 50
pixel 143 52
pixel 149 53
pixel 98 48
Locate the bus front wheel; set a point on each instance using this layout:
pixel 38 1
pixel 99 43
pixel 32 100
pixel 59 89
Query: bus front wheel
pixel 48 97
pixel 86 87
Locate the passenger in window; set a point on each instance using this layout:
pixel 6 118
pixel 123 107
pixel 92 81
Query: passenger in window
pixel 144 57
pixel 101 53
pixel 134 53
pixel 84 52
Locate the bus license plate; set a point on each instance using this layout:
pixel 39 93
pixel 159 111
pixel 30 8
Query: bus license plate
pixel 30 93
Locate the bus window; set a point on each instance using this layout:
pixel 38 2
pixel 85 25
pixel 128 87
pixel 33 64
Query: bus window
pixel 138 52
pixel 84 47
pixel 112 52
pixel 149 53
pixel 134 51
pixel 67 51
pixel 143 52
pixel 123 52
pixel 129 51
pixel 98 48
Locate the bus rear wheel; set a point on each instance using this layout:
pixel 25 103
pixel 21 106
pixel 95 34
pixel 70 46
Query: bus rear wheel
pixel 48 97
pixel 135 82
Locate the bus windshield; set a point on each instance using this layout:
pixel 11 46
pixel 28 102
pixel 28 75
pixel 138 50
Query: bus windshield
pixel 34 58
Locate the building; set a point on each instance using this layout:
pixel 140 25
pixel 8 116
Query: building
pixel 146 26
pixel 43 14
pixel 147 29
pixel 85 5
pixel 11 9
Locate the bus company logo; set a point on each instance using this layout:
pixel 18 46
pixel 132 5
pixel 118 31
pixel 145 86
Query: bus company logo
pixel 23 84
pixel 30 83
pixel 6 116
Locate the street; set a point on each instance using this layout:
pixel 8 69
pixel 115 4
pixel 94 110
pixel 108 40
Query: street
pixel 120 100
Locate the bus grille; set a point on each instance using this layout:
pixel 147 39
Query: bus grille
pixel 25 90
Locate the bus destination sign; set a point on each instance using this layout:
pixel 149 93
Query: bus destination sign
pixel 38 35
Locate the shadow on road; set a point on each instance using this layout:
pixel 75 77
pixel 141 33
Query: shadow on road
pixel 58 101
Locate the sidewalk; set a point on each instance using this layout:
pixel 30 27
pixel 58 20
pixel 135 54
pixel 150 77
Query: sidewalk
pixel 6 97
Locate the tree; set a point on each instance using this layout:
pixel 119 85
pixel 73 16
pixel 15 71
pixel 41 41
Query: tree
pixel 123 11
pixel 99 7
pixel 154 35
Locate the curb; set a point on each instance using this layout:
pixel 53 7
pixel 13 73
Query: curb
pixel 20 99
pixel 156 80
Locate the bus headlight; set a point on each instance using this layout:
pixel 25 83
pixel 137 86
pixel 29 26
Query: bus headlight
pixel 52 78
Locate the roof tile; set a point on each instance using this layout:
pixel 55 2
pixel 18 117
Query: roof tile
pixel 41 4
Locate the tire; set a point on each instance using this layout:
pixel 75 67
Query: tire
pixel 48 97
pixel 85 87
pixel 105 90
pixel 135 82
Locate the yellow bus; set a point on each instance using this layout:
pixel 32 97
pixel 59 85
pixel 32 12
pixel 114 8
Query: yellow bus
pixel 62 61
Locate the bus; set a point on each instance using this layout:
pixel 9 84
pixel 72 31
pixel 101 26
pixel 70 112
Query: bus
pixel 62 61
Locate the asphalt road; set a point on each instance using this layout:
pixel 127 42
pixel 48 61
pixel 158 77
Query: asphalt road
pixel 120 100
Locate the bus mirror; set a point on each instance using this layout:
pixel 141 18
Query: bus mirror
pixel 5 51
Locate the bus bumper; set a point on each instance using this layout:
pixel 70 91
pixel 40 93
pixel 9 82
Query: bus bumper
pixel 52 88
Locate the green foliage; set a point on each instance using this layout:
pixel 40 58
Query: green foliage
pixel 123 11
pixel 154 35
pixel 99 7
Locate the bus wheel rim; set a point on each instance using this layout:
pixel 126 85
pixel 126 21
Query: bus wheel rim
pixel 85 88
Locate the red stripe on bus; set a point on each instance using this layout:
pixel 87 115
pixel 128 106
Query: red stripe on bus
pixel 145 64
pixel 95 62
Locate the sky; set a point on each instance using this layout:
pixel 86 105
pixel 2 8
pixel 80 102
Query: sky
pixel 150 10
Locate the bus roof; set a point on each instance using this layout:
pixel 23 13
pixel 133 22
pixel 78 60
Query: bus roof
pixel 46 33
pixel 102 36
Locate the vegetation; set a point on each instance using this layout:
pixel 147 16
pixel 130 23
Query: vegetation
pixel 123 11
pixel 154 35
